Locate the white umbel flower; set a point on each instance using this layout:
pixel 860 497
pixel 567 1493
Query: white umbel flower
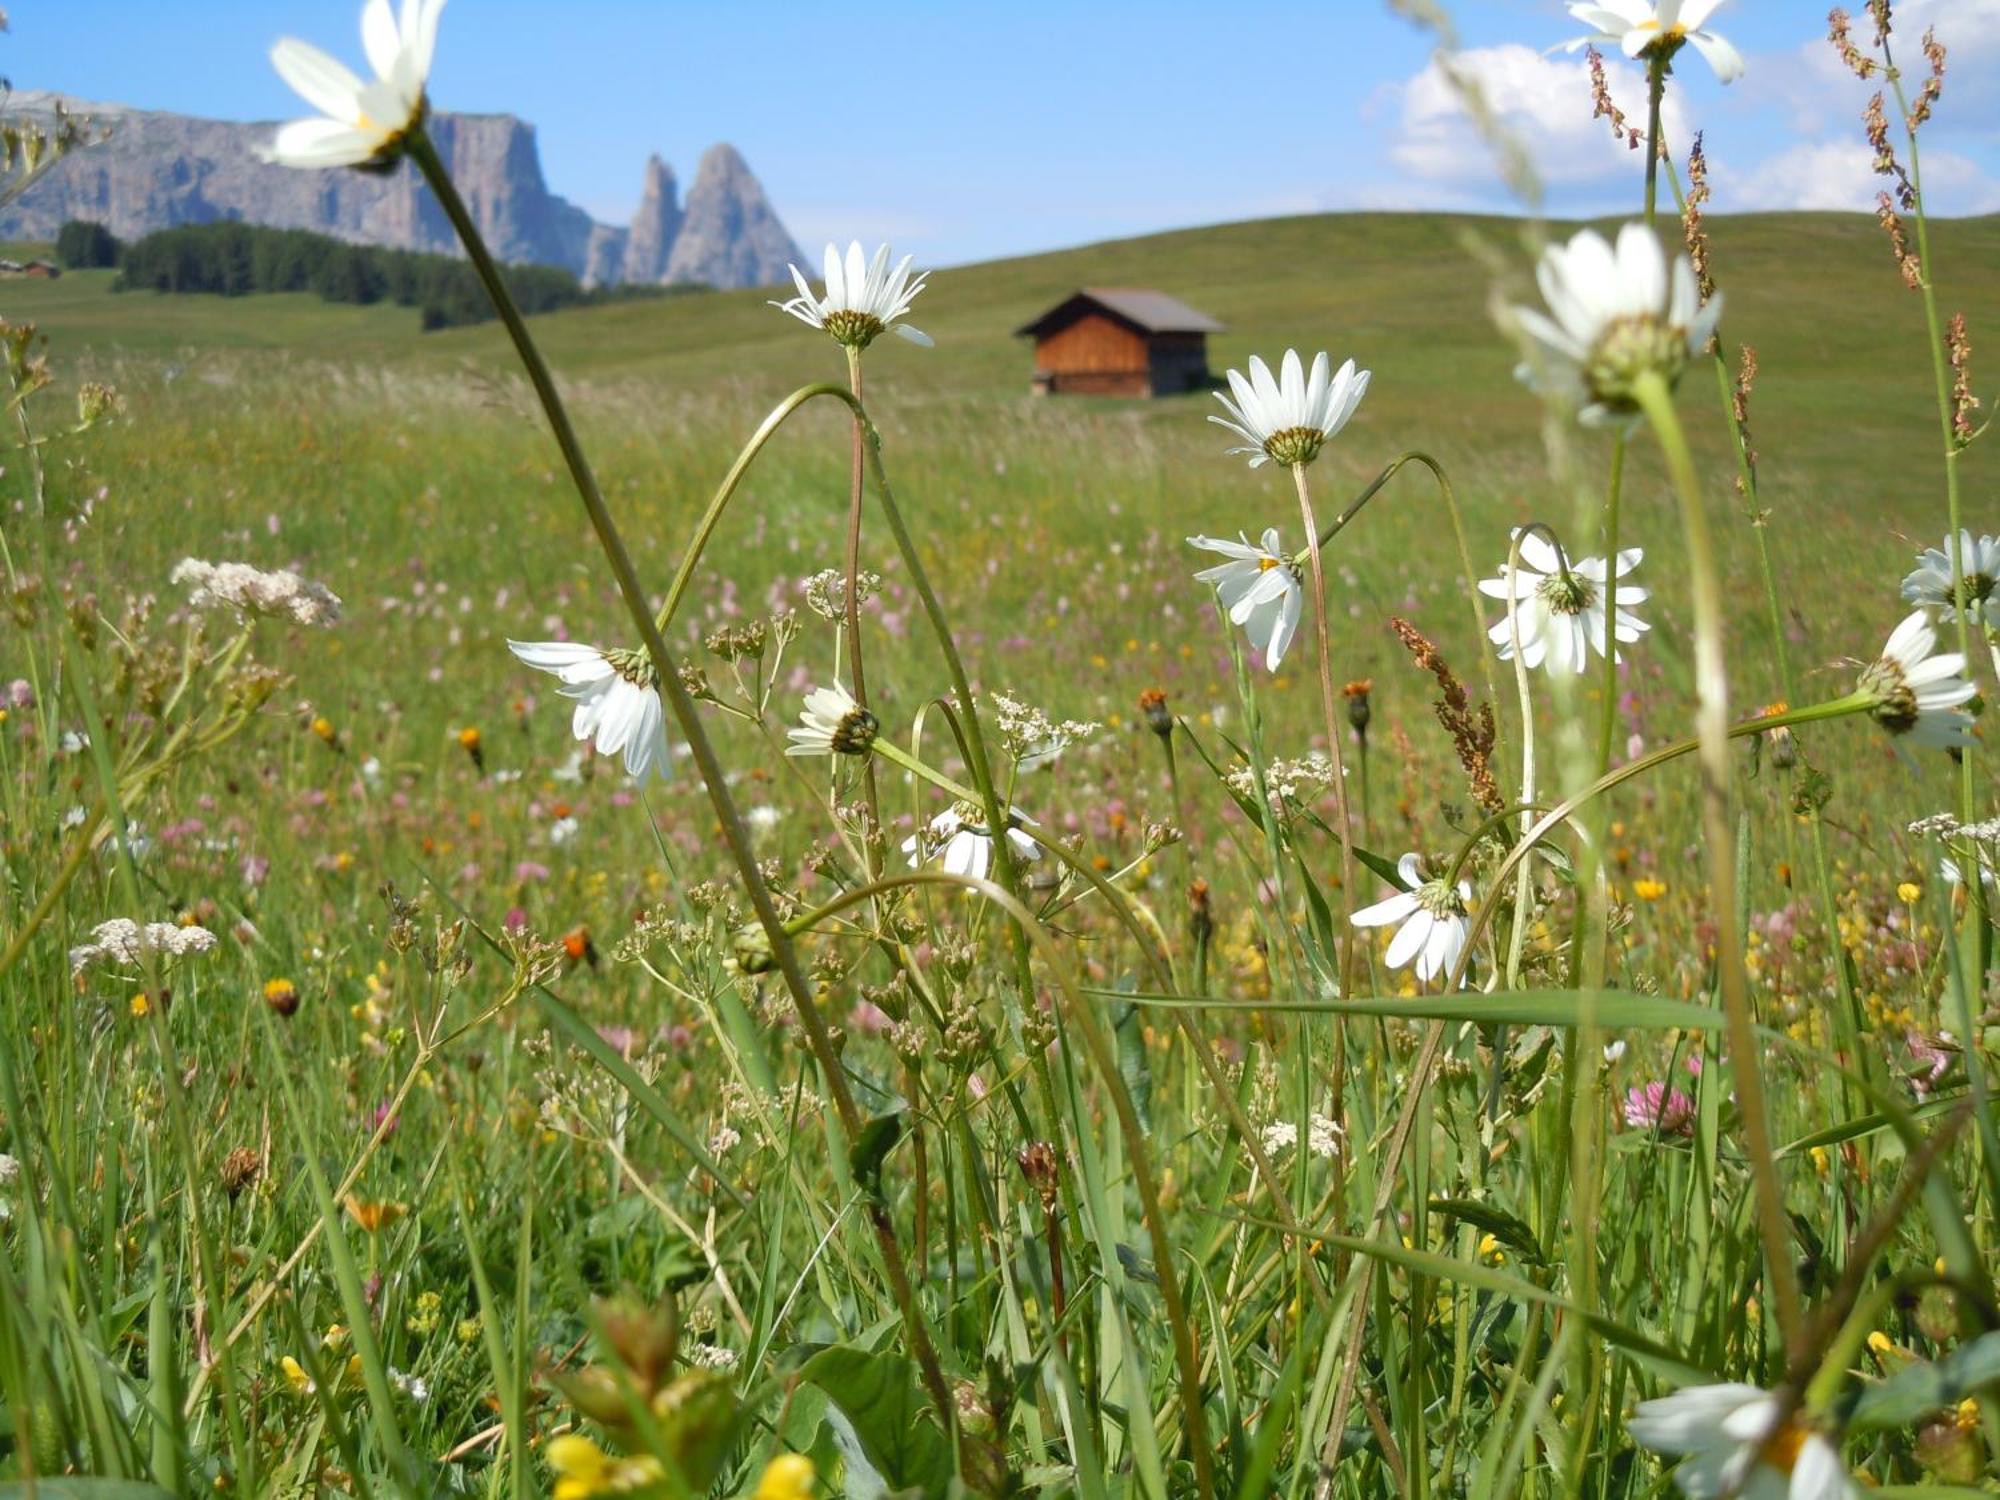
pixel 862 298
pixel 252 591
pixel 617 699
pixel 1613 316
pixel 126 943
pixel 1430 918
pixel 832 723
pixel 1737 1441
pixel 1641 28
pixel 1560 619
pixel 1917 695
pixel 958 839
pixel 1260 587
pixel 358 123
pixel 1938 570
pixel 1285 421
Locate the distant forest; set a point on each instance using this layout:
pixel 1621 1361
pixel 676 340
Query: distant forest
pixel 231 259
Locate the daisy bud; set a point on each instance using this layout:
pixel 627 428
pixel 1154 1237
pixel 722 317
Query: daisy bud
pixel 240 1170
pixel 1359 710
pixel 750 948
pixel 1039 1165
pixel 1201 920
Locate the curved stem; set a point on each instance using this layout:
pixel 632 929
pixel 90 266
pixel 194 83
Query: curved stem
pixel 735 835
pixel 1712 725
pixel 1450 498
pixel 726 491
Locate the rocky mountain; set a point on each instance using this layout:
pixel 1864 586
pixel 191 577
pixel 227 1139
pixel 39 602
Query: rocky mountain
pixel 157 170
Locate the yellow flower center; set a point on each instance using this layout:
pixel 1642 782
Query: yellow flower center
pixel 1781 1448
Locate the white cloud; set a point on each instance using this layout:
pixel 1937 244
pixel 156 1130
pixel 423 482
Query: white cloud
pixel 1542 101
pixel 1838 174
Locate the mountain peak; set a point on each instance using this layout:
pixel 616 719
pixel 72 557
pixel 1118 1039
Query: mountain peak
pixel 178 169
pixel 730 234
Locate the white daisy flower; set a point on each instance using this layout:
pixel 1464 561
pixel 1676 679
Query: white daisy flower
pixel 958 839
pixel 1613 315
pixel 1932 582
pixel 617 699
pixel 359 123
pixel 1286 420
pixel 1918 694
pixel 1558 618
pixel 863 297
pixel 1640 28
pixel 832 723
pixel 1260 587
pixel 1738 1441
pixel 1430 918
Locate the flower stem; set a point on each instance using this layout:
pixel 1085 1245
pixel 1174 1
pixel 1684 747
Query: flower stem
pixel 734 833
pixel 1712 731
pixel 872 838
pixel 1330 706
pixel 1979 914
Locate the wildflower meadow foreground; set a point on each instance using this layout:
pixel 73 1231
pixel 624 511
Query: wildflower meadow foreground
pixel 537 1020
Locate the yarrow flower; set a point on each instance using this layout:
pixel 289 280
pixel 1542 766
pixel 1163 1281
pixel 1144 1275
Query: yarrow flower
pixel 1290 785
pixel 1031 736
pixel 124 941
pixel 1286 421
pixel 1260 587
pixel 617 699
pixel 832 723
pixel 1613 316
pixel 863 298
pixel 959 840
pixel 1641 28
pixel 1939 583
pixel 1917 694
pixel 1323 1137
pixel 251 591
pixel 1740 1440
pixel 1561 616
pixel 1430 917
pixel 359 124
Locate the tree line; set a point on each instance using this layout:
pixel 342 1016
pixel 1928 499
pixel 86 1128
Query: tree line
pixel 232 259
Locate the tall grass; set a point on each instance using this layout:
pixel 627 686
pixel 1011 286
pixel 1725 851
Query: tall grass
pixel 529 1128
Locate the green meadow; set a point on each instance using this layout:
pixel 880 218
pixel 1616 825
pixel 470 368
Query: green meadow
pixel 535 1154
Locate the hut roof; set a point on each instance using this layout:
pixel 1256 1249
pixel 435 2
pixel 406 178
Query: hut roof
pixel 1144 308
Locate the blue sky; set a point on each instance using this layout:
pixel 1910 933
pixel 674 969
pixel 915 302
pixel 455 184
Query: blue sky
pixel 963 132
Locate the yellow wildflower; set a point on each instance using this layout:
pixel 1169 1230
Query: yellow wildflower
pixel 296 1379
pixel 583 1469
pixel 1908 892
pixel 789 1476
pixel 1648 889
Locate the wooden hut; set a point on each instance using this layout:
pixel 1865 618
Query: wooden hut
pixel 1120 341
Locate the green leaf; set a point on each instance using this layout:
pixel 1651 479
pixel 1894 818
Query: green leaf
pixel 1128 1032
pixel 1918 1390
pixel 883 1402
pixel 1503 1226
pixel 1386 868
pixel 864 1158
pixel 74 1488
